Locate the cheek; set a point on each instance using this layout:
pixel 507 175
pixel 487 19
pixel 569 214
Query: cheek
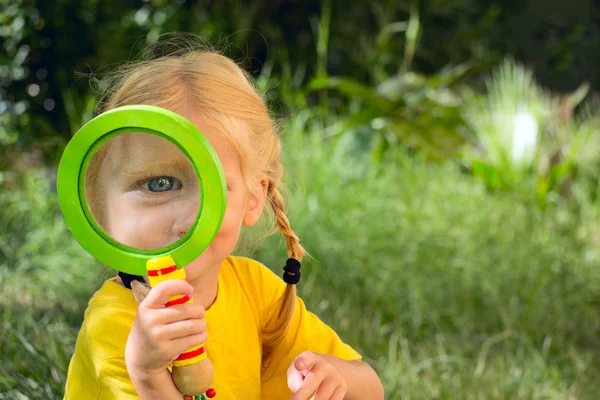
pixel 119 223
pixel 229 233
pixel 144 228
pixel 224 242
pixel 226 239
pixel 232 220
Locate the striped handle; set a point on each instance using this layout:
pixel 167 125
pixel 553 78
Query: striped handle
pixel 161 269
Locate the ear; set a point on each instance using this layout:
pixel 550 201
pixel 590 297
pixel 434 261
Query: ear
pixel 256 204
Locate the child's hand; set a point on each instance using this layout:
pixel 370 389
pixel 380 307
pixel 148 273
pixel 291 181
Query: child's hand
pixel 310 373
pixel 159 334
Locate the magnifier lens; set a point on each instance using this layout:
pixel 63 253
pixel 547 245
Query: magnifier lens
pixel 142 191
pixel 139 182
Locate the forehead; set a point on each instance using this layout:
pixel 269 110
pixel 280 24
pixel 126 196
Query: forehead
pixel 228 155
pixel 140 144
pixel 137 150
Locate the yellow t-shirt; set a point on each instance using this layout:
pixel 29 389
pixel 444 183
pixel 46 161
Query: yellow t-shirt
pixel 246 300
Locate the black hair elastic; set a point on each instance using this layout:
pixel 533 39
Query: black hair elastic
pixel 292 271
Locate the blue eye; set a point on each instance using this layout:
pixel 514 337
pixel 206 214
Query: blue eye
pixel 161 184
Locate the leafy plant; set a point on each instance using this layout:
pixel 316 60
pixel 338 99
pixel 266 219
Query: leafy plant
pixel 526 140
pixel 41 264
pixel 420 112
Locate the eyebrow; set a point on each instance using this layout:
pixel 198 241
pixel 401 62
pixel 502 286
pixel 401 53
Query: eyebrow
pixel 128 159
pixel 135 167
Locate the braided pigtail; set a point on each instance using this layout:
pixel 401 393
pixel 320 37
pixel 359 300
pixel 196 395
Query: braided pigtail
pixel 276 329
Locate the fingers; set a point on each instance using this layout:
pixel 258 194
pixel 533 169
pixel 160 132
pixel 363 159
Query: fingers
pixel 179 313
pixel 309 374
pixel 183 328
pixel 161 293
pixel 323 386
pixel 183 344
pixel 304 366
pixel 164 324
pixel 326 389
pixel 308 387
pixel 294 378
pixel 339 393
pixel 305 362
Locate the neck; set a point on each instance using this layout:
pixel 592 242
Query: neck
pixel 205 286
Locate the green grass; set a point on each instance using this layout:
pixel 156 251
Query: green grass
pixel 448 291
pixel 45 280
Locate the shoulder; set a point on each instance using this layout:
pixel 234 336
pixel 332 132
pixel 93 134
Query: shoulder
pixel 110 315
pixel 255 279
pixel 249 269
pixel 102 339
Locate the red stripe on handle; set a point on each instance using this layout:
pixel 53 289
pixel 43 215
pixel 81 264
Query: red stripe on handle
pixel 164 271
pixel 190 354
pixel 181 300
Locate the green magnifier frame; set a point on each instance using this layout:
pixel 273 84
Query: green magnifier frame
pixel 140 119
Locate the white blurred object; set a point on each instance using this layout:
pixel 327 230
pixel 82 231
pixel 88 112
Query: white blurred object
pixel 525 131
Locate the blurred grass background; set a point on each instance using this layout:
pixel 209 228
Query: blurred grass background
pixel 442 158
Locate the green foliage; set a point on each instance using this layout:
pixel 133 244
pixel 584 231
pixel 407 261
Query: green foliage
pixel 41 265
pixel 452 292
pixel 17 23
pixel 420 112
pixel 449 291
pixel 45 279
pixel 36 347
pixel 49 49
pixel 529 142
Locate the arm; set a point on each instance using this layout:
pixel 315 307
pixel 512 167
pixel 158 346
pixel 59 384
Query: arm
pixel 307 334
pixel 329 377
pixel 120 382
pixel 120 352
pixel 359 376
pixel 158 386
pixel 159 334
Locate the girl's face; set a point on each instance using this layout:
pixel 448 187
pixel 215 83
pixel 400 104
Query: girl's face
pixel 149 192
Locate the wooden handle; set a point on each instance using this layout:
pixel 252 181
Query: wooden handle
pixel 192 371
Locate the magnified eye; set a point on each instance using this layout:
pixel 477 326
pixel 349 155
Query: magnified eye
pixel 161 184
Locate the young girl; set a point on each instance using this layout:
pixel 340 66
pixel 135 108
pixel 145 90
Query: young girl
pixel 260 338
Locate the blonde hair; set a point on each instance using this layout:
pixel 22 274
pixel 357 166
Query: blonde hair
pixel 212 85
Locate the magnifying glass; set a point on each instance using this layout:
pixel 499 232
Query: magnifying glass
pixel 144 192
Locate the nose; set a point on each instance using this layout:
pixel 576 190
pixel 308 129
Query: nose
pixel 186 216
